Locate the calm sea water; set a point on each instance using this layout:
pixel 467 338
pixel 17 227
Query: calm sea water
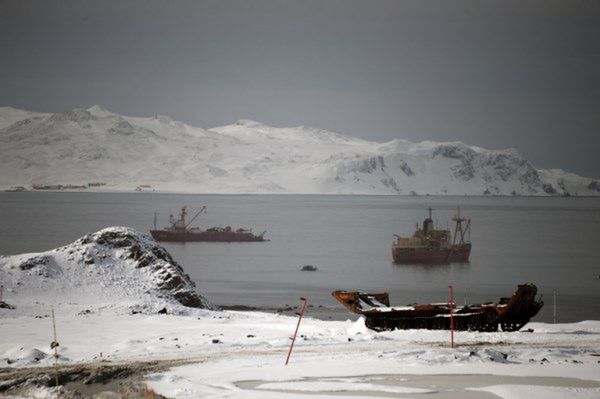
pixel 552 242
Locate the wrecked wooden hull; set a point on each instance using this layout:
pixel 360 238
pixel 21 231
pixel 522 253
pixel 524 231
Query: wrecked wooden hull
pixel 509 314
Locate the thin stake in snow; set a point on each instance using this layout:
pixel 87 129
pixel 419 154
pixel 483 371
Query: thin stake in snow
pixel 149 394
pixel 451 305
pixel 300 314
pixel 1 291
pixel 554 308
pixel 54 345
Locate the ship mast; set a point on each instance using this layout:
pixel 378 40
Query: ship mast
pixel 181 222
pixel 459 229
pixel 178 223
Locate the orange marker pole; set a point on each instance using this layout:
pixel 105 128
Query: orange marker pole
pixel 55 346
pixel 451 303
pixel 300 314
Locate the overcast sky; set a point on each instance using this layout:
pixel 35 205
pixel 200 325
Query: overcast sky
pixel 497 74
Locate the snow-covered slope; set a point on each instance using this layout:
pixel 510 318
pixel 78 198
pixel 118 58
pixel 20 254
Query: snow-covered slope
pixel 116 267
pixel 95 144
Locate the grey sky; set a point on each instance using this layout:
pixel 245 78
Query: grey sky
pixel 497 74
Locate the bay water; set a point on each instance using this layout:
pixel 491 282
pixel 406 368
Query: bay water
pixel 552 242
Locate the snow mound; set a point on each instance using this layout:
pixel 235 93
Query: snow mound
pixel 114 267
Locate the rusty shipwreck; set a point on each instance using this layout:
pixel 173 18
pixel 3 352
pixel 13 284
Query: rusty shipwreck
pixel 431 245
pixel 510 314
pixel 180 231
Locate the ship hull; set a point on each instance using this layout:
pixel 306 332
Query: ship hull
pixel 457 253
pixel 204 236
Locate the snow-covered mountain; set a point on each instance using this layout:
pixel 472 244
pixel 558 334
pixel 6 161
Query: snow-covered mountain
pixel 85 145
pixel 116 268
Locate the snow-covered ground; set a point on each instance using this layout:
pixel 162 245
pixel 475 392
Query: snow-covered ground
pixel 158 153
pixel 329 356
pixel 111 307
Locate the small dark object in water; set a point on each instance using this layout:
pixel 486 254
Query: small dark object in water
pixel 309 268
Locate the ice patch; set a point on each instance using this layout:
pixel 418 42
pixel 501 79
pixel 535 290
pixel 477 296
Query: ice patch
pixel 540 392
pixel 339 386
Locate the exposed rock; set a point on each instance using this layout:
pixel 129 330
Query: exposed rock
pixel 594 185
pixel 169 275
pixel 34 262
pixel 406 169
pixel 454 152
pixel 4 305
pixel 548 188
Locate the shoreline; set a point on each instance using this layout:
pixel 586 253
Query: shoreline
pixel 4 189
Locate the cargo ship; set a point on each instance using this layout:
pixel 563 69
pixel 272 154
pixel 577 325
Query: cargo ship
pixel 430 245
pixel 180 231
pixel 510 314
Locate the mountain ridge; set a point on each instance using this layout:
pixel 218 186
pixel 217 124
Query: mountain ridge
pixel 96 144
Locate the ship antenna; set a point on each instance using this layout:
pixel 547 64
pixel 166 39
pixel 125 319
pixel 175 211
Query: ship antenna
pixel 429 212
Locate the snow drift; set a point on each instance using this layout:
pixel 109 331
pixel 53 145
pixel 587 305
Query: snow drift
pixel 112 268
pixel 85 145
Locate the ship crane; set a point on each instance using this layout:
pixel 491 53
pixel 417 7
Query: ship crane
pixel 180 223
pixel 195 216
